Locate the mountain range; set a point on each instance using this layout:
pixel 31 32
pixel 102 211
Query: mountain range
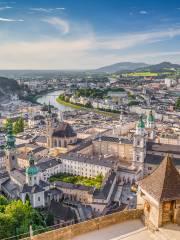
pixel 130 66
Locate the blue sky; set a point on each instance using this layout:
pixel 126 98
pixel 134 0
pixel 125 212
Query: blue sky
pixel 85 34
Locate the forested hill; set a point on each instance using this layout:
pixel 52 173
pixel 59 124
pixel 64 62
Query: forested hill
pixel 9 86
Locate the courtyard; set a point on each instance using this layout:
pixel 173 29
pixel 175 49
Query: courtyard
pixel 79 180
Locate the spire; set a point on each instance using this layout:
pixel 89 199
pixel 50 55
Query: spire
pixel 49 108
pixel 151 117
pixel 141 123
pixel 10 139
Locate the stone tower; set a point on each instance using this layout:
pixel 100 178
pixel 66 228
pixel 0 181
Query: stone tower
pixel 11 162
pixel 159 195
pixel 139 144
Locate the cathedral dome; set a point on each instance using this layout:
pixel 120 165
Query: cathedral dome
pixel 32 170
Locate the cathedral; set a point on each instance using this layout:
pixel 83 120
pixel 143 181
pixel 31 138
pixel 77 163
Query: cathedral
pixel 60 134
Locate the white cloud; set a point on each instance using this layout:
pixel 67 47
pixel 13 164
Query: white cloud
pixel 143 12
pixel 82 52
pixel 59 23
pixel 130 40
pixel 47 10
pixel 60 8
pixel 4 8
pixel 10 20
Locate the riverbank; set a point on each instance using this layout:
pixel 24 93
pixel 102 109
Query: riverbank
pixel 33 97
pixel 72 105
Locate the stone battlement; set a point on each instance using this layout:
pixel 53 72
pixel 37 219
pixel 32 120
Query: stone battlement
pixel 69 232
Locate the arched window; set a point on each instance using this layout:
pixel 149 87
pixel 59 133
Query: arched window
pixel 55 143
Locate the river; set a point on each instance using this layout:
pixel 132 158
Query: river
pixel 51 98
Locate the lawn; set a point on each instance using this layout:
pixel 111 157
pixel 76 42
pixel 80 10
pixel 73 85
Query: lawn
pixel 90 182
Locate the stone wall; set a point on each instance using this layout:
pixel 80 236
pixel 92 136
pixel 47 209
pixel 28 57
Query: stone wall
pixel 69 232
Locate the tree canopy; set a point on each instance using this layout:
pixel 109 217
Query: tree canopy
pixel 178 104
pixel 16 217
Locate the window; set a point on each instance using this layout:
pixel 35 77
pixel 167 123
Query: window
pixel 39 199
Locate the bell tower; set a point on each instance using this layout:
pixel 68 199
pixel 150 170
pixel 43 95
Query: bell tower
pixel 151 125
pixel 11 162
pixel 49 127
pixel 139 144
pixel 32 173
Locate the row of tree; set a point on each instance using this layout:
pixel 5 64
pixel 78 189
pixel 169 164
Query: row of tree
pixel 18 125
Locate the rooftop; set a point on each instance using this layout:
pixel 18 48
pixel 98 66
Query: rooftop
pixel 64 130
pixel 164 183
pixel 99 161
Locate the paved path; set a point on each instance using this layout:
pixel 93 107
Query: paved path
pixel 132 230
pixel 114 232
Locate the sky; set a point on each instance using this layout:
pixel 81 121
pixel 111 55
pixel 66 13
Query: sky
pixel 87 34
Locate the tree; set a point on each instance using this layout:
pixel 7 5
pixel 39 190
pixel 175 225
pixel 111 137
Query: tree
pixel 49 219
pixel 18 126
pixel 178 104
pixel 8 122
pixel 16 218
pixel 3 203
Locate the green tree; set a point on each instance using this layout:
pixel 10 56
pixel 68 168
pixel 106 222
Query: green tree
pixel 178 104
pixel 3 203
pixel 17 217
pixel 8 122
pixel 18 126
pixel 49 219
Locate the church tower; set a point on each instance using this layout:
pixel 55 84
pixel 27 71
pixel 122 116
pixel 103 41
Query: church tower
pixel 11 162
pixel 151 125
pixel 49 127
pixel 32 173
pixel 139 144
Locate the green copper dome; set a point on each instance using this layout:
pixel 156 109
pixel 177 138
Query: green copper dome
pixel 151 117
pixel 141 123
pixel 10 139
pixel 32 169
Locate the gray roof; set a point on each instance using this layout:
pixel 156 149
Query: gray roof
pixel 52 162
pixel 115 139
pixel 40 139
pixel 103 192
pixel 166 148
pixel 10 187
pixel 61 184
pixel 61 211
pixel 64 130
pixel 95 160
pixel 157 158
pixel 4 174
pixel 19 176
pixel 35 188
